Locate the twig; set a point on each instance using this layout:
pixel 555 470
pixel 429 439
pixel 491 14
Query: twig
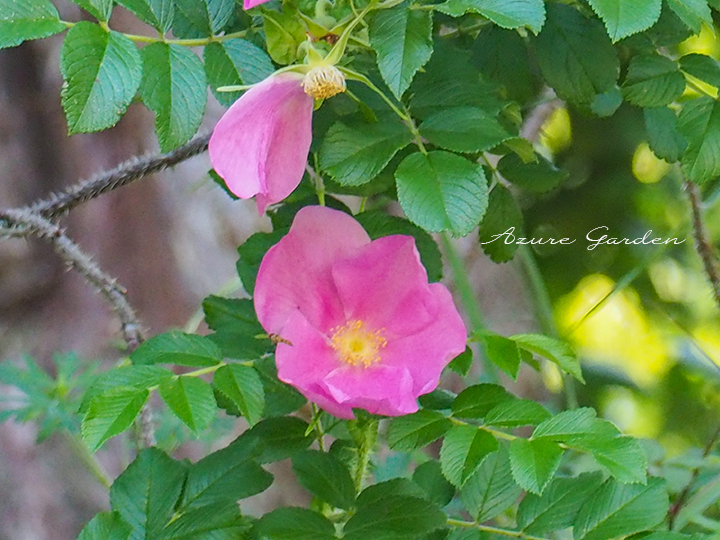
pixel 24 222
pixel 702 242
pixel 125 173
pixel 705 251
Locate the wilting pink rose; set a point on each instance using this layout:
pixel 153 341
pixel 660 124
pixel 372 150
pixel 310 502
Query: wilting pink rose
pixel 260 146
pixel 367 329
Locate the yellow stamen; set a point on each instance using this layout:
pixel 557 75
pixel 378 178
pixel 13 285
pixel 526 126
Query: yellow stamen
pixel 322 82
pixel 356 345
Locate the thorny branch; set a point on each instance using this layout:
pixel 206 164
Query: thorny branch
pixel 35 221
pixel 122 175
pixel 704 249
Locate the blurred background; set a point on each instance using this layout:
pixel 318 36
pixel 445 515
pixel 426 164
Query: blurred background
pixel 642 317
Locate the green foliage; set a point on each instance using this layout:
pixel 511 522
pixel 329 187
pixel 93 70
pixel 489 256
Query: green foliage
pixel 106 526
pixel 653 81
pixel 237 330
pixel 177 348
pixel 100 9
pixel 492 489
pixel 506 14
pixel 156 13
pixel 326 477
pixel 440 191
pixel 354 156
pixel 110 414
pixel 295 524
pixel 463 450
pixel 664 138
pixel 623 19
pixel 416 430
pixel 242 385
pixel 102 72
pixel 173 87
pixel 503 213
pixel 235 62
pixel 191 399
pixel 464 129
pixel 402 40
pixel 533 462
pixel 562 48
pixel 699 123
pixel 22 20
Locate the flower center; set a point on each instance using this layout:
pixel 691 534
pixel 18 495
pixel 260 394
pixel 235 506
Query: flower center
pixel 323 82
pixel 356 345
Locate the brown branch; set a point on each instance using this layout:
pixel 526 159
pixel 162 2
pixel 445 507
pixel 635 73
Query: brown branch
pixel 703 246
pixel 704 249
pixel 23 223
pixel 27 223
pixel 122 175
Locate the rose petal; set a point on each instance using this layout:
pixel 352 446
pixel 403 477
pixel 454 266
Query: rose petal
pixel 386 286
pixel 260 145
pixel 295 274
pixel 428 351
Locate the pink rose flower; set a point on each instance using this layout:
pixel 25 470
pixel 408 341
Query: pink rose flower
pixel 247 4
pixel 260 146
pixel 367 329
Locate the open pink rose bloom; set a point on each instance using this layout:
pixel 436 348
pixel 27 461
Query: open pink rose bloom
pixel 260 146
pixel 367 329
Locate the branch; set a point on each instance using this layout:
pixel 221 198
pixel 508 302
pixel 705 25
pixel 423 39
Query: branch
pixel 25 222
pixel 125 173
pixel 702 241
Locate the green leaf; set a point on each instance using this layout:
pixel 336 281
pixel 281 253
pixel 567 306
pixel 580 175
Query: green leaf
pixel 280 398
pixel 216 522
pixel 326 477
pixel 557 507
pixel 379 224
pixel 206 17
pixel 389 489
pixel 236 328
pixel 462 363
pixel 129 377
pixel 440 191
pixel 450 80
pixel 502 214
pixel 509 14
pixel 100 9
pixel 516 412
pixel 653 81
pixel 235 62
pixel 281 437
pixel 225 476
pixel 242 385
pixel 110 414
pixel 562 53
pixel 477 400
pixel 703 67
pixel 538 176
pixel 295 524
pixel 534 462
pixel 354 156
pixel 605 104
pixel 413 431
pixel 146 493
pixel 252 253
pixel 22 20
pixel 623 457
pixel 106 526
pixel 430 478
pixel 502 56
pixel 558 352
pixel 462 452
pixel 618 510
pixel 157 13
pixel 623 18
pixel 492 488
pixel 693 13
pixel 174 88
pixel 699 122
pixel 664 138
pixel 102 73
pixel 464 129
pixel 503 352
pixel 402 39
pixel 283 33
pixel 394 517
pixel 567 424
pixel 179 348
pixel 192 401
